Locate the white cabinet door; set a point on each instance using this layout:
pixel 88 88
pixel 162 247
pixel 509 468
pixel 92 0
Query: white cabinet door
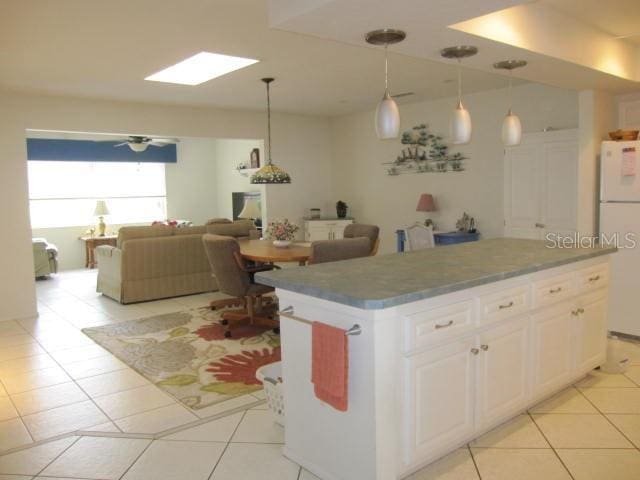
pixel 522 191
pixel 592 331
pixel 439 408
pixel 317 231
pixel 503 376
pixel 551 340
pixel 559 194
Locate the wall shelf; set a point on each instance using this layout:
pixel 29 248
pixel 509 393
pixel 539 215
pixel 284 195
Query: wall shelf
pixel 246 172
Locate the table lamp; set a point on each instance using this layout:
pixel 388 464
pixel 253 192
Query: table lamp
pixel 100 211
pixel 426 204
pixel 251 209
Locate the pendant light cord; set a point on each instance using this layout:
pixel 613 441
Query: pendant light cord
pixel 386 68
pixel 459 80
pixel 510 91
pixel 268 126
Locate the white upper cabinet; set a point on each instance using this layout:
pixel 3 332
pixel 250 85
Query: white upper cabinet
pixel 540 185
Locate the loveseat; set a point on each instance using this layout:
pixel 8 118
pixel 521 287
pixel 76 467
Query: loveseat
pixel 154 262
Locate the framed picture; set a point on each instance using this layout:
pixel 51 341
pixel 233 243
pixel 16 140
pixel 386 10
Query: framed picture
pixel 255 158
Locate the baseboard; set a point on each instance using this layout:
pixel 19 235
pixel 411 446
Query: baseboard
pixel 626 336
pixel 28 317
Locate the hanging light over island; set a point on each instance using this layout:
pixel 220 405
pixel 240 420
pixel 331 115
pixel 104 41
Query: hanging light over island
pixel 461 120
pixel 511 126
pixel 387 119
pixel 269 173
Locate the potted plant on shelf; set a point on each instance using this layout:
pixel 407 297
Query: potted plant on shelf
pixel 282 233
pixel 341 209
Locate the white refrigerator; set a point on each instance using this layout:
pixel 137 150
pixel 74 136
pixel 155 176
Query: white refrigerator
pixel 620 217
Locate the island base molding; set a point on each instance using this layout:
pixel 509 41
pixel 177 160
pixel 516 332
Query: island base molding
pixel 429 376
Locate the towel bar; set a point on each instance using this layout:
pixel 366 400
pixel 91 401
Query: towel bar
pixel 288 313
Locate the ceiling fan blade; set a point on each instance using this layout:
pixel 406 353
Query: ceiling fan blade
pixel 121 144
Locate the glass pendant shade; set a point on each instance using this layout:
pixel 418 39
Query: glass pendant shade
pixel 460 125
pixel 387 118
pixel 511 130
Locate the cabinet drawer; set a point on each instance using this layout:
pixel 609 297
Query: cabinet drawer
pixel 592 278
pixel 552 290
pixel 431 326
pixel 504 304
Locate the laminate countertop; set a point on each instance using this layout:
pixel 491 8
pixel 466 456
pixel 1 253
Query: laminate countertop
pixel 384 281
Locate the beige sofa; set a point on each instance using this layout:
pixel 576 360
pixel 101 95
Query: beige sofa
pixel 154 262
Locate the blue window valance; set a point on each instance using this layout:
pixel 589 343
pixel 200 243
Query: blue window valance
pixel 60 150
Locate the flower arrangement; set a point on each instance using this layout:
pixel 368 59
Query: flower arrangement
pixel 284 231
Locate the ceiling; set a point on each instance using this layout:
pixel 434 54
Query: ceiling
pixel 620 18
pixel 106 49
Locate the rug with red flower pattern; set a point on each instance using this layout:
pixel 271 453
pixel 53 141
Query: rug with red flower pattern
pixel 187 355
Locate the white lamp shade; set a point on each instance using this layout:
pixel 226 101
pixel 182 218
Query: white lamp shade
pixel 511 130
pixel 138 147
pixel 387 118
pixel 251 209
pixel 101 209
pixel 460 125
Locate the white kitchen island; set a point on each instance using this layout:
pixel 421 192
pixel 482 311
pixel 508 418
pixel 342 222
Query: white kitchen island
pixel 453 341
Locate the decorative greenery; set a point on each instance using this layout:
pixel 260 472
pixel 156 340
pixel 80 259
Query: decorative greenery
pixel 341 209
pixel 425 153
pixel 284 230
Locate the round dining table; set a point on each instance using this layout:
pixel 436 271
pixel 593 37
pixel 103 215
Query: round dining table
pixel 264 251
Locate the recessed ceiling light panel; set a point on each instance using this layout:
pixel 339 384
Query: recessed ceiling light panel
pixel 200 68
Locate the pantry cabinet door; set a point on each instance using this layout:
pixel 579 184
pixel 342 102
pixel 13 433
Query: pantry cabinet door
pixel 522 192
pixel 559 194
pixel 439 400
pixel 503 371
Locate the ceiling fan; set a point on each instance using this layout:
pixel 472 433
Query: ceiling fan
pixel 139 144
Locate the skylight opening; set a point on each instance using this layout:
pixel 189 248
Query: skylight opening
pixel 200 68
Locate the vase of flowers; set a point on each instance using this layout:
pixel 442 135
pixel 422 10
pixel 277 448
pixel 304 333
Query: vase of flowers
pixel 282 233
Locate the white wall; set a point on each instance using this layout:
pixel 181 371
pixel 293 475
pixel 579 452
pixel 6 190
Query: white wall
pixel 71 250
pixel 191 182
pixel 390 201
pixel 302 145
pixel 229 153
pixel 597 118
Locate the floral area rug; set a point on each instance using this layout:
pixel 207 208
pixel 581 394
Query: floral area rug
pixel 186 354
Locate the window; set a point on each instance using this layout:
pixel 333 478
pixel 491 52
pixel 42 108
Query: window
pixel 64 194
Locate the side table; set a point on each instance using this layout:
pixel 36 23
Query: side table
pixel 90 245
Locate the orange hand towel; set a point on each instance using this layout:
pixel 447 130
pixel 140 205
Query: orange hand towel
pixel 330 365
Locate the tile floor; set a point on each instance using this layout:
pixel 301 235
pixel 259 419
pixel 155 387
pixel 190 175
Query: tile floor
pixel 54 380
pixel 590 431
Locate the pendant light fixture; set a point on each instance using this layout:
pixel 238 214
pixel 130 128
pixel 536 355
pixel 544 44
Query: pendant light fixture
pixel 270 173
pixel 461 120
pixel 511 126
pixel 387 113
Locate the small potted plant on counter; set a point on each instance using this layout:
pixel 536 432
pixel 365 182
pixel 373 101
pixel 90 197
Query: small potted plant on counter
pixel 282 233
pixel 341 209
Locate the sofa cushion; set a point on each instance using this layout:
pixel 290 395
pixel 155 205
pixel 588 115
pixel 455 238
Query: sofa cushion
pixel 146 231
pixel 236 229
pixel 195 230
pixel 214 221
